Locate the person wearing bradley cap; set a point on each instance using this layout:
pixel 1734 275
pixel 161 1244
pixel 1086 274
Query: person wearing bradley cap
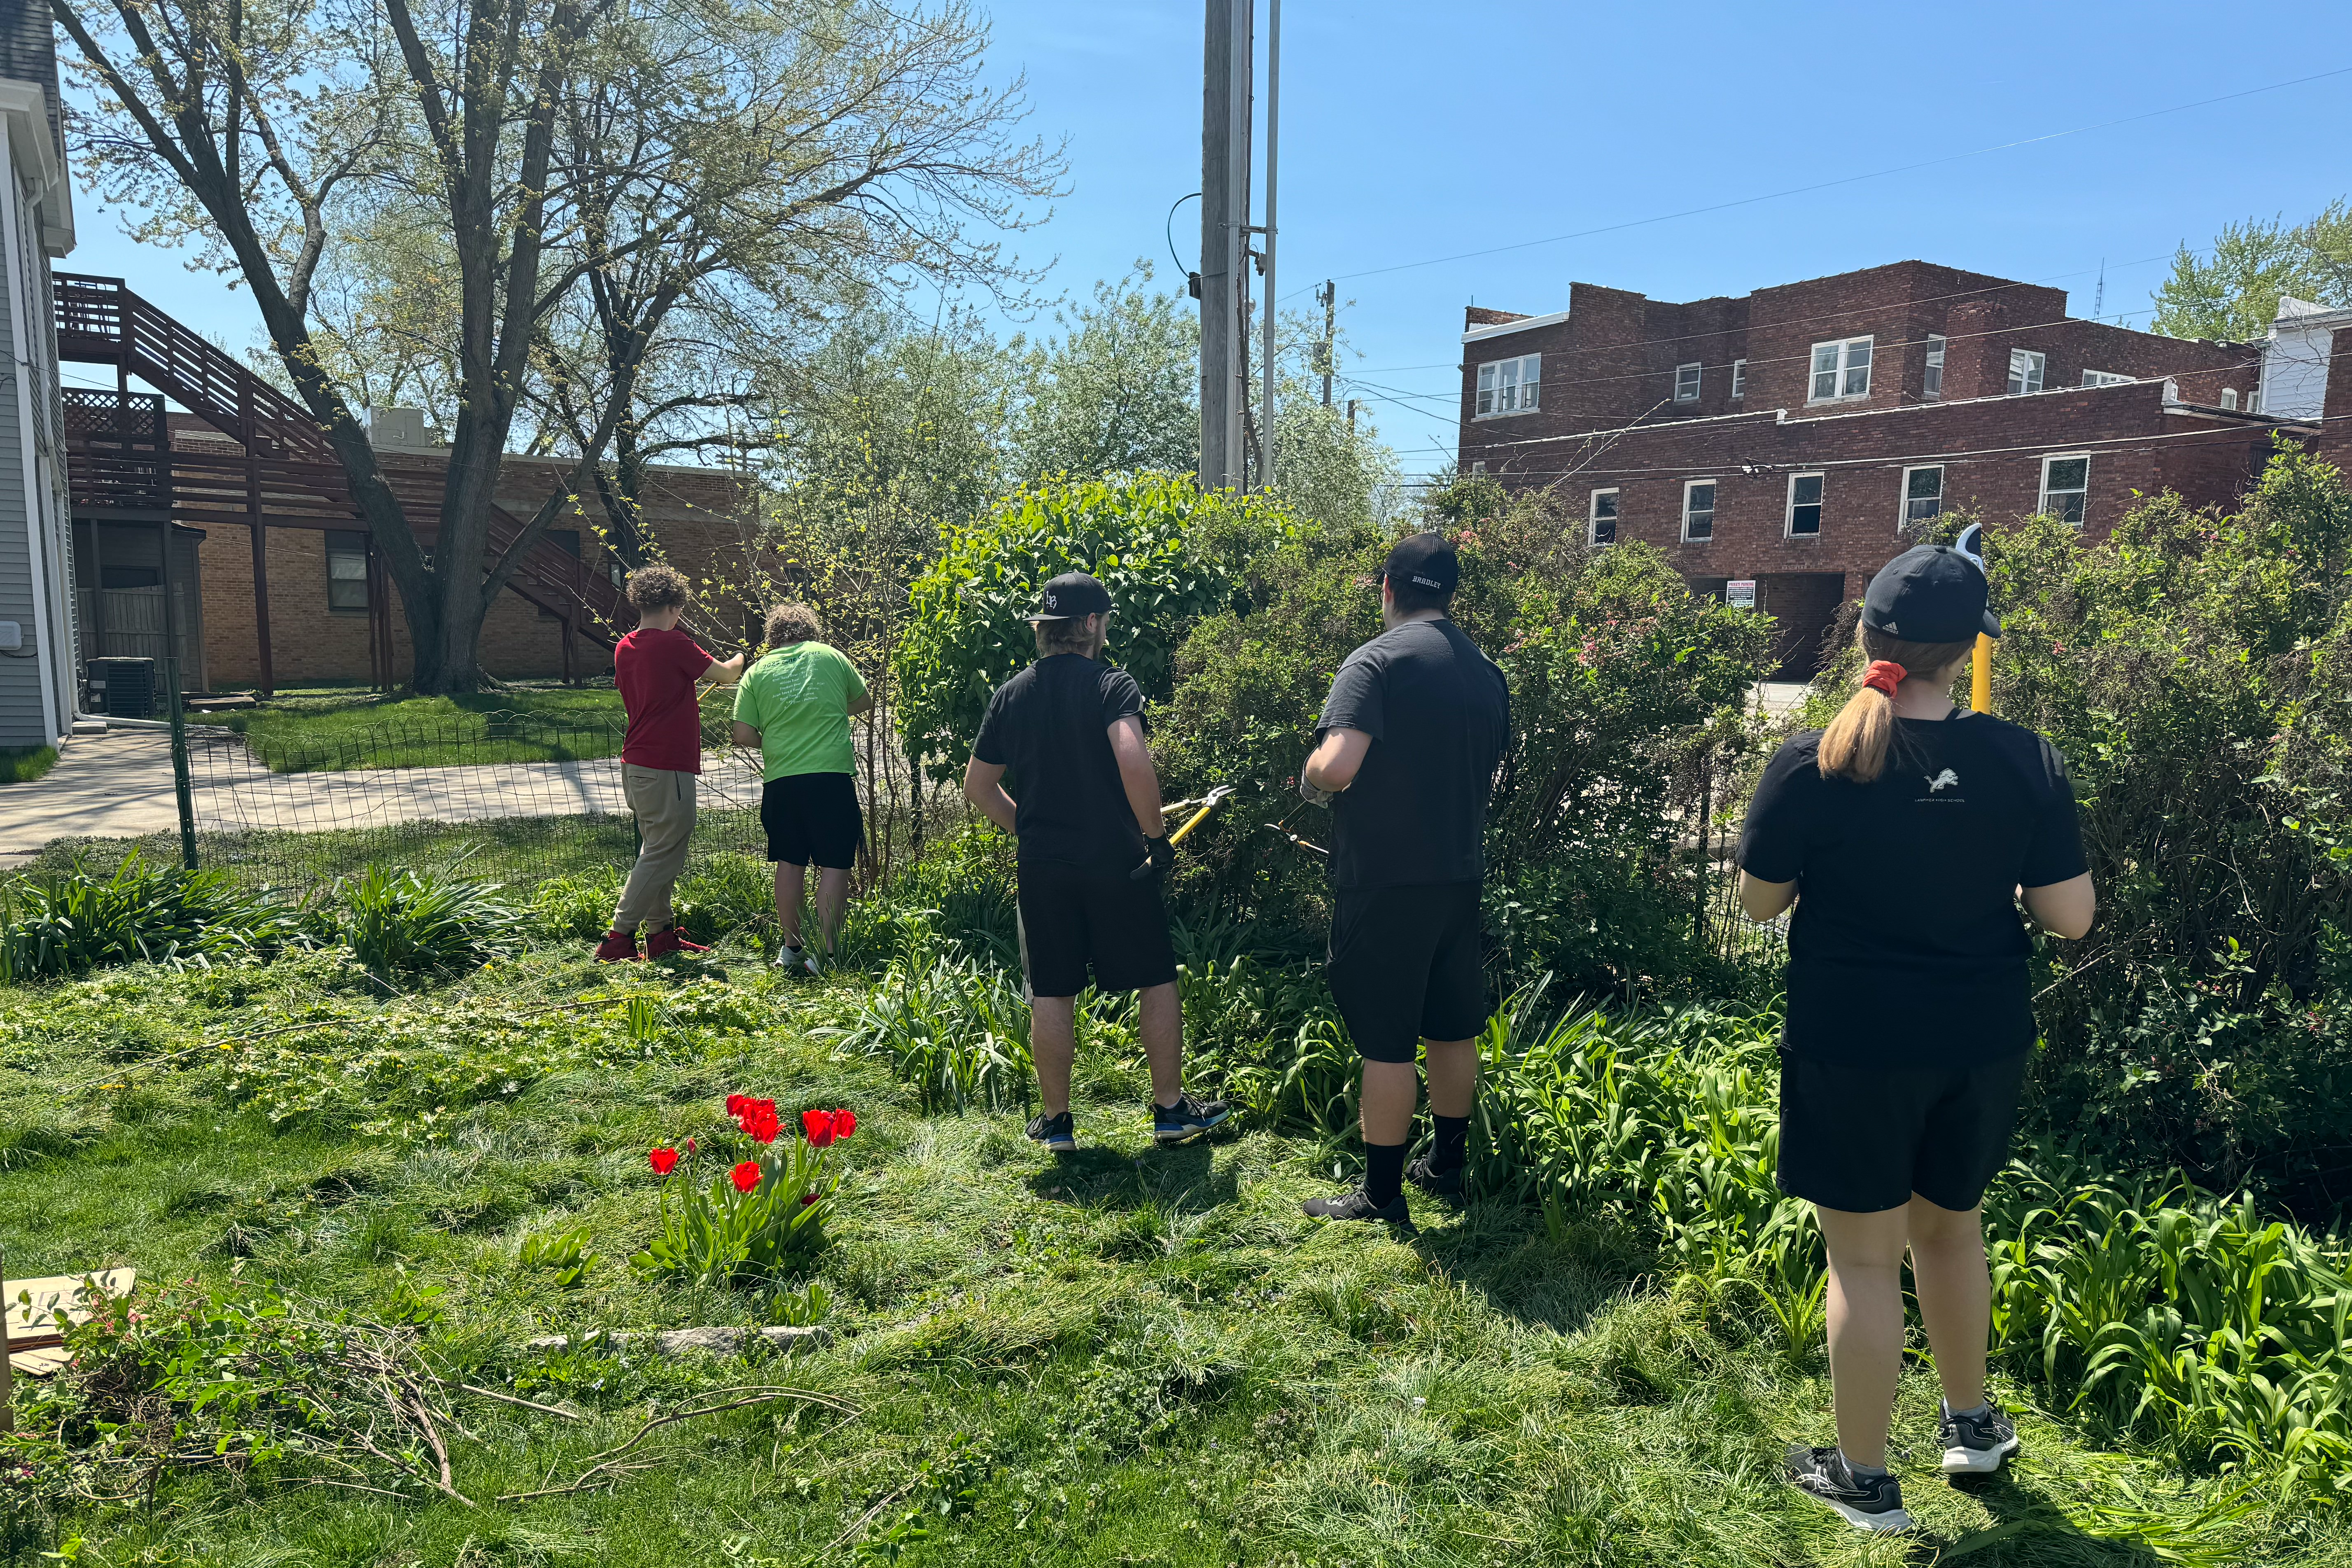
pixel 1405 753
pixel 1069 730
pixel 1907 834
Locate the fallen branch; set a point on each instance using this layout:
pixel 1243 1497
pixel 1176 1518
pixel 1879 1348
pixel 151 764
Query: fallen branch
pixel 610 1459
pixel 513 1399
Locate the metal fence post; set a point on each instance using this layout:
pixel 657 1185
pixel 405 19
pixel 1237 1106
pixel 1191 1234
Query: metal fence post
pixel 181 784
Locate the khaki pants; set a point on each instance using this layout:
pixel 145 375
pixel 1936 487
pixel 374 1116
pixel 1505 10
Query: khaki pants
pixel 664 802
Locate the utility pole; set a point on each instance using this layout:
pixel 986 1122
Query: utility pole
pixel 1225 85
pixel 1331 296
pixel 1273 131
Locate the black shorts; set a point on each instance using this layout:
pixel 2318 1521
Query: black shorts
pixel 1404 966
pixel 813 817
pixel 1864 1138
pixel 1071 922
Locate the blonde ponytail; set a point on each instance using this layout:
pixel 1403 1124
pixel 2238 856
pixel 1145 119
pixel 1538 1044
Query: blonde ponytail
pixel 1855 744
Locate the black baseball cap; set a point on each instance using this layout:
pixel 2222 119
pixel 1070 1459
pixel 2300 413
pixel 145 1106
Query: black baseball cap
pixel 1071 595
pixel 1427 562
pixel 1931 594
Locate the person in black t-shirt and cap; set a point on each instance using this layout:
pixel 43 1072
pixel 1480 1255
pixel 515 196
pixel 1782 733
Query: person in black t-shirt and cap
pixel 1905 834
pixel 1405 754
pixel 1070 730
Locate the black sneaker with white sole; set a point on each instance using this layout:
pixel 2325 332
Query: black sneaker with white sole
pixel 1435 1182
pixel 1356 1204
pixel 1976 1441
pixel 1058 1133
pixel 1187 1118
pixel 1867 1503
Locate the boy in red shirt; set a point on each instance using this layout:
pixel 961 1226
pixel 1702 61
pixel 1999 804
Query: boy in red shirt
pixel 656 668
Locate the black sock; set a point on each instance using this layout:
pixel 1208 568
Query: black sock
pixel 1452 1150
pixel 1383 1171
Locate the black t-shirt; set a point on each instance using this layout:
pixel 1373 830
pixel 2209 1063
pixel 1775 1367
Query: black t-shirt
pixel 1438 715
pixel 1906 947
pixel 1049 728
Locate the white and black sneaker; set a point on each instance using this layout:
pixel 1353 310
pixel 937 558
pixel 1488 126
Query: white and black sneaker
pixel 797 960
pixel 1058 1133
pixel 1975 1441
pixel 1867 1503
pixel 1358 1205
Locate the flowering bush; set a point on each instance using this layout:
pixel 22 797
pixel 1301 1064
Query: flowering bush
pixel 758 1217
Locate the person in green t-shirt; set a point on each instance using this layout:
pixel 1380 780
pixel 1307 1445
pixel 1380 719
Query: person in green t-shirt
pixel 795 705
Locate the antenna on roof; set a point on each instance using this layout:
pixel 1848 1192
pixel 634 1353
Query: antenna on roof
pixel 2099 301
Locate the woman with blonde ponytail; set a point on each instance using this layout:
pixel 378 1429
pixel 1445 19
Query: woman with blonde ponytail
pixel 1906 835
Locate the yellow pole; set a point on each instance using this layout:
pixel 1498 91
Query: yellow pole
pixel 1981 676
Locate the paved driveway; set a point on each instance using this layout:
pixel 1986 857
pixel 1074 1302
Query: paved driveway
pixel 119 784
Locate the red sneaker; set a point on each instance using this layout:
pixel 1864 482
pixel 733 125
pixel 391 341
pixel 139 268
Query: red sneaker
pixel 617 946
pixel 662 943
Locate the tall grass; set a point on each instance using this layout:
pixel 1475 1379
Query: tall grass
pixel 416 920
pixel 2153 1311
pixel 956 1028
pixel 65 923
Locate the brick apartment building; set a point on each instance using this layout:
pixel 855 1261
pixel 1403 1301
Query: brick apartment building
pixel 323 584
pixel 1788 442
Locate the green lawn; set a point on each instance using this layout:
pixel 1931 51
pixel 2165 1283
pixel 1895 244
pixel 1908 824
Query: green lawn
pixel 23 764
pixel 1130 1356
pixel 357 729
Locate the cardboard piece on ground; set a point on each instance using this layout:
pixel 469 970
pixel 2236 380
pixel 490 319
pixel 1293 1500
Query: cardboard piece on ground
pixel 33 1332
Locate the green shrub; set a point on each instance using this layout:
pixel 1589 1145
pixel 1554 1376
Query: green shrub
pixel 64 924
pixel 1620 681
pixel 1169 554
pixel 417 921
pixel 957 1028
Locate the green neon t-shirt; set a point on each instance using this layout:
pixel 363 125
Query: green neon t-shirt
pixel 799 699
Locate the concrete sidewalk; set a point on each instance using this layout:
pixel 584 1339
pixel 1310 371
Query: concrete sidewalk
pixel 119 786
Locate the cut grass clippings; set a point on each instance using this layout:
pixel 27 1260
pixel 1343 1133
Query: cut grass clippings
pixel 1131 1356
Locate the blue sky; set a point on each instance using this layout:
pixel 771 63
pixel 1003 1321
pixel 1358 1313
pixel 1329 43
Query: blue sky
pixel 1411 131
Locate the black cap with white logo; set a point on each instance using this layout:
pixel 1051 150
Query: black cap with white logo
pixel 1425 562
pixel 1071 595
pixel 1932 593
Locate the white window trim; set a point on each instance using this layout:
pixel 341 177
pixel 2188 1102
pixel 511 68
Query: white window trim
pixel 2040 372
pixel 1593 516
pixel 1739 380
pixel 1902 494
pixel 1936 344
pixel 2043 504
pixel 1844 347
pixel 2105 377
pixel 1688 486
pixel 1697 381
pixel 1789 514
pixel 1519 387
pixel 2230 397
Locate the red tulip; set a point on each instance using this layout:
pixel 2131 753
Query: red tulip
pixel 818 1125
pixel 745 1176
pixel 807 1199
pixel 735 1104
pixel 664 1160
pixel 844 1123
pixel 757 1118
pixel 690 1145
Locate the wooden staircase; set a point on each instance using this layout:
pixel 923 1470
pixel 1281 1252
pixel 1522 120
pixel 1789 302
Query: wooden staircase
pixel 284 474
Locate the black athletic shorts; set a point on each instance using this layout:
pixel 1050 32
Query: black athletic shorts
pixel 1071 922
pixel 1864 1138
pixel 813 817
pixel 1404 966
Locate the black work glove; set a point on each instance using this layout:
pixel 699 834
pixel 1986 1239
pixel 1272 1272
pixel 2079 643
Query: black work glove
pixel 1163 855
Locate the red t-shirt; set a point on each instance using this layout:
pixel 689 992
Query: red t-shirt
pixel 655 671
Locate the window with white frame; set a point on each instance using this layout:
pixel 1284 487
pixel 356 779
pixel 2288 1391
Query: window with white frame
pixel 1601 526
pixel 1739 379
pixel 1698 510
pixel 2025 371
pixel 1840 369
pixel 2065 481
pixel 1509 385
pixel 2254 401
pixel 1686 383
pixel 1934 387
pixel 2102 378
pixel 347 570
pixel 1804 506
pixel 1923 494
pixel 1478 466
pixel 2228 397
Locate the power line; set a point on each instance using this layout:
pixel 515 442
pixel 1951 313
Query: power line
pixel 1848 179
